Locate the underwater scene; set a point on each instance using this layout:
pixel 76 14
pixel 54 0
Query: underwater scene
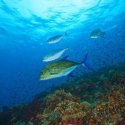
pixel 62 62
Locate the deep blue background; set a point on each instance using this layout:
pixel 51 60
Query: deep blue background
pixel 25 26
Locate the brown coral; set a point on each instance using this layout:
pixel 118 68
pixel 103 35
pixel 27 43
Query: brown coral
pixel 85 106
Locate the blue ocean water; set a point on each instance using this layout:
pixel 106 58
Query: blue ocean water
pixel 25 26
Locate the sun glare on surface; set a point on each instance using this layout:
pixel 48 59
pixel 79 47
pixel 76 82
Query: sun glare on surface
pixel 48 8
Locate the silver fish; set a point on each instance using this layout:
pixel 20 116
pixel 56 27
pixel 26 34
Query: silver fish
pixel 60 68
pixel 56 39
pixel 54 55
pixel 97 33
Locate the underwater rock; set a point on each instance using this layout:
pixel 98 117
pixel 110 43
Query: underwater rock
pixel 23 123
pixel 122 122
pixel 74 104
pixel 32 112
pixel 87 104
pixel 103 77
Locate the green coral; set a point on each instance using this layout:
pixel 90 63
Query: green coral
pixel 51 118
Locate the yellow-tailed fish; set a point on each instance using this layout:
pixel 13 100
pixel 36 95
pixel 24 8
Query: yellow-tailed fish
pixel 60 68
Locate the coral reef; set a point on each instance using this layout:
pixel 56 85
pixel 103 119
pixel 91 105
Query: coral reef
pixel 63 107
pixel 96 100
pixel 23 123
pixel 32 112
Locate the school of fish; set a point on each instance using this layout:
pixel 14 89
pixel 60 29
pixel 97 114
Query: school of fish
pixel 64 66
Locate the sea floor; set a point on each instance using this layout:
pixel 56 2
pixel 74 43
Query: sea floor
pixel 94 99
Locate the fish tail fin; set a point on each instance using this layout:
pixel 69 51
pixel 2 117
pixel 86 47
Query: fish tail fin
pixel 85 63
